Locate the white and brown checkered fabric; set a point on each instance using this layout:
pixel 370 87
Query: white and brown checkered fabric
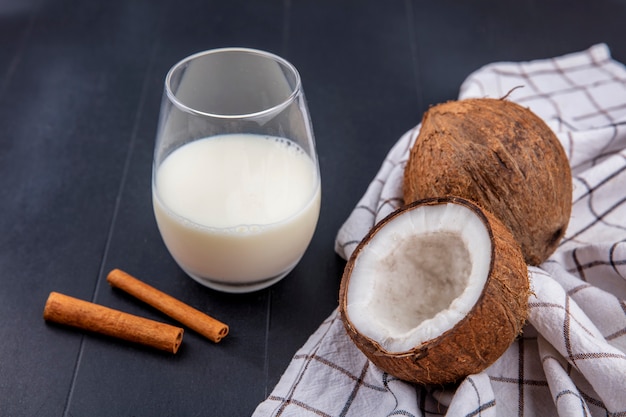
pixel 571 359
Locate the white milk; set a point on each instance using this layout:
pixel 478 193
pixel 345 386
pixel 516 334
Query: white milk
pixel 237 209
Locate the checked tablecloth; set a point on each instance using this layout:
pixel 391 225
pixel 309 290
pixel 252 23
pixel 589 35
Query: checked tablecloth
pixel 571 358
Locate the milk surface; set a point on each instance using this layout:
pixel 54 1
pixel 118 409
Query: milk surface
pixel 236 209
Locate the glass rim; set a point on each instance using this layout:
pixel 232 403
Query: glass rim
pixel 282 61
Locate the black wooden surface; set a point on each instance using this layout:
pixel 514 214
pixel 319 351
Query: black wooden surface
pixel 80 89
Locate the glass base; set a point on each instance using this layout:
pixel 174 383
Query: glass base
pixel 238 288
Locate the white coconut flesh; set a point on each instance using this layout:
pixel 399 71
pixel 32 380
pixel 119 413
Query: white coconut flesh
pixel 419 275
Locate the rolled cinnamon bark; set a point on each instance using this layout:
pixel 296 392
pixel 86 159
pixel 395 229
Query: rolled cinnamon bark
pixel 196 320
pixel 85 315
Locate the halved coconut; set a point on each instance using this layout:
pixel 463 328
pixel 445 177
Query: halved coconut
pixel 436 291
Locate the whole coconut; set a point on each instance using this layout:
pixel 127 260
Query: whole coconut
pixel 436 291
pixel 501 156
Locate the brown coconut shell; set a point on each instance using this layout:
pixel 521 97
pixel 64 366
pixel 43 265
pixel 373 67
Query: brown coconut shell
pixel 479 339
pixel 501 156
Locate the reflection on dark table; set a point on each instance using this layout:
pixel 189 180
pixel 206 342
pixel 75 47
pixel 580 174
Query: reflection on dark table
pixel 80 88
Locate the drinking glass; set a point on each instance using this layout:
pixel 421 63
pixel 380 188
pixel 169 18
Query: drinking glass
pixel 235 178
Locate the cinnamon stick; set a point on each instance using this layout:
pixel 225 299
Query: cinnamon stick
pixel 85 315
pixel 196 320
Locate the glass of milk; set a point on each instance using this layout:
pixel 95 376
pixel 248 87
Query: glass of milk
pixel 235 181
